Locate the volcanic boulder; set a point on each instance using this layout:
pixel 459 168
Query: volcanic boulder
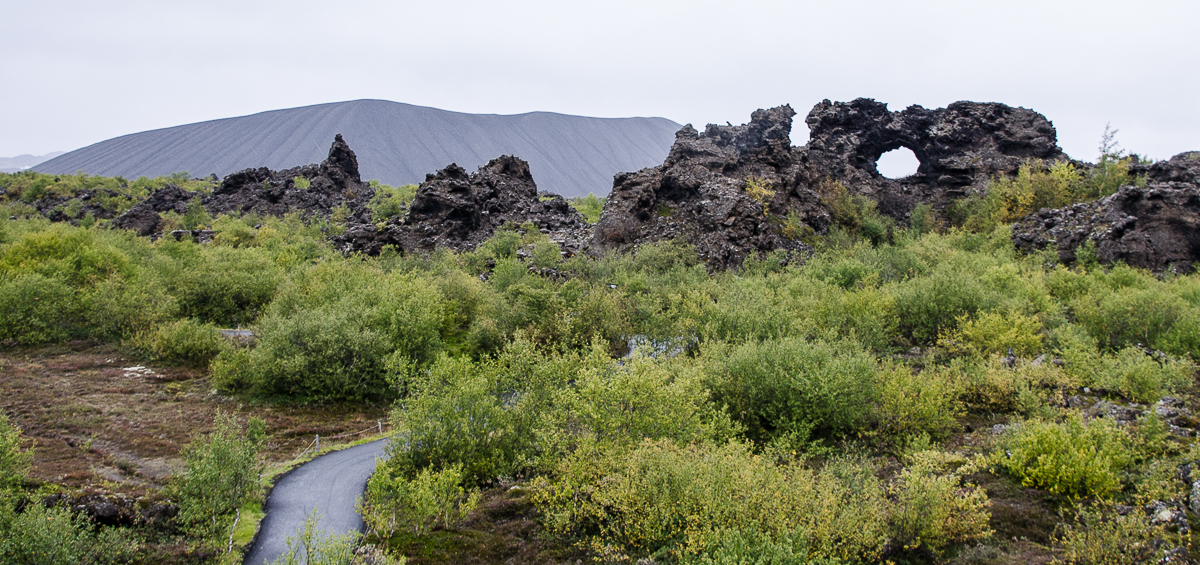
pixel 700 194
pixel 459 211
pixel 1156 227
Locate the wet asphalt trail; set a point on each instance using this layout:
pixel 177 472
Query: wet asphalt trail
pixel 331 483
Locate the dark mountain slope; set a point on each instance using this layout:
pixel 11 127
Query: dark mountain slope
pixel 396 143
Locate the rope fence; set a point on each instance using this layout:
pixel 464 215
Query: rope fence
pixel 315 444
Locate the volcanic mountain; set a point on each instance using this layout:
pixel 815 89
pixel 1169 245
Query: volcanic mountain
pixel 396 144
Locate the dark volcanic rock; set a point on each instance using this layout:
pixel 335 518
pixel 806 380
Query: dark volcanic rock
pixel 334 182
pixel 963 144
pixel 699 193
pixel 1183 168
pixel 144 219
pixel 1156 227
pixel 459 211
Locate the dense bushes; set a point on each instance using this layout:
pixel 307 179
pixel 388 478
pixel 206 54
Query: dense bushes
pixel 792 386
pixel 1072 459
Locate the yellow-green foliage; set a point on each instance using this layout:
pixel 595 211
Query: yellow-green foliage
pixel 1101 535
pixel 590 206
pixel 1040 185
pixel 390 201
pixel 703 499
pixel 934 508
pixel 14 462
pixel 311 546
pixel 184 341
pixel 792 385
pixel 301 183
pixel 916 402
pixel 991 332
pixel 613 407
pixel 428 500
pixel 760 190
pixel 663 497
pixel 1073 459
pixel 995 386
pixel 854 214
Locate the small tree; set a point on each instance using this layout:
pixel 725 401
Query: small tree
pixel 14 463
pixel 223 470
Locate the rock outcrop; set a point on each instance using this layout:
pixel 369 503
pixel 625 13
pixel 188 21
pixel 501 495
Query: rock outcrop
pixel 961 145
pixel 1156 227
pixel 334 182
pixel 144 217
pixel 459 211
pixel 702 194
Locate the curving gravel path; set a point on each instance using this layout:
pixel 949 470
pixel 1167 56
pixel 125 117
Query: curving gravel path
pixel 332 483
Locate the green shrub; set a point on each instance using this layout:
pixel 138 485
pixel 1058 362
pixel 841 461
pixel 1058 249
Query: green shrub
pixel 911 403
pixel 992 332
pixel 328 334
pixel 792 385
pixel 428 500
pixel 454 417
pixel 301 183
pixel 1073 459
pixel 854 214
pixel 390 201
pixel 183 342
pixel 1141 377
pixel 935 509
pixel 51 536
pixel 1130 315
pixel 929 306
pixel 616 407
pixel 1103 536
pixel 221 474
pixel 311 546
pixel 590 206
pixel 994 386
pixel 76 256
pixel 120 308
pixel 665 500
pixel 35 309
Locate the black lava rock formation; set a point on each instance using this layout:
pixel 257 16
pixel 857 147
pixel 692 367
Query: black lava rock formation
pixel 961 145
pixel 333 183
pixel 1156 227
pixel 144 217
pixel 700 193
pixel 459 211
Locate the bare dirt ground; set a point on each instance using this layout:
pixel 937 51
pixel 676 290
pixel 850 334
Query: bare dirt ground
pixel 97 418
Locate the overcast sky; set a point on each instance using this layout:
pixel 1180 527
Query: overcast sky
pixel 77 72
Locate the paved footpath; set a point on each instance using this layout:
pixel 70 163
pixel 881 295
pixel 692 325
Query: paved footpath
pixel 332 483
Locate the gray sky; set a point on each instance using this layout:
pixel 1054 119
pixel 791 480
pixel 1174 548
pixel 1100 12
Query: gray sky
pixel 78 71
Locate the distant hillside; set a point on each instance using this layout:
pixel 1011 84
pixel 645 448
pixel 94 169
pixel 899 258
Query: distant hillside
pixel 396 143
pixel 22 162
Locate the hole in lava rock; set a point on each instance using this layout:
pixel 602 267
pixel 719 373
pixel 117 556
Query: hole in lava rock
pixel 897 163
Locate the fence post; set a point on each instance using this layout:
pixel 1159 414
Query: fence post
pixel 318 443
pixel 380 422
